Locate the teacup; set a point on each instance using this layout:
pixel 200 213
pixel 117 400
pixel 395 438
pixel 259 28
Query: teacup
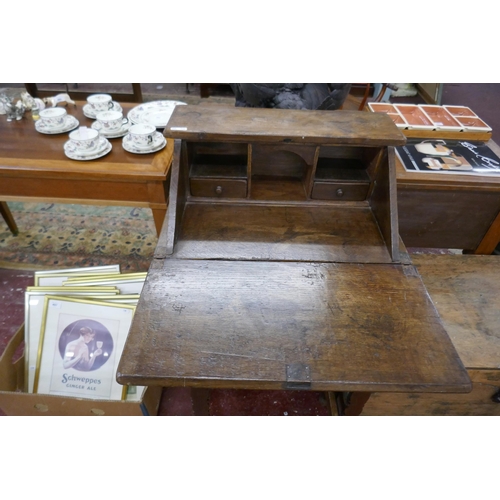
pixel 84 139
pixel 100 102
pixel 142 135
pixel 53 117
pixel 111 121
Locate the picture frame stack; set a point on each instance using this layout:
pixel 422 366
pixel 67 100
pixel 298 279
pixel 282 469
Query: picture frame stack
pixel 76 324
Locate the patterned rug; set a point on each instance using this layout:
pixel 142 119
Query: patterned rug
pixel 58 235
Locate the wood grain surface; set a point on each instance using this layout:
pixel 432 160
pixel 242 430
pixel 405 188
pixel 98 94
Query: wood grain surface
pixel 272 325
pixel 217 123
pixel 465 291
pixel 276 290
pixel 310 233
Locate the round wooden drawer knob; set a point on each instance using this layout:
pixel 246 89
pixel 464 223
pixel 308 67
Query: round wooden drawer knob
pixel 218 190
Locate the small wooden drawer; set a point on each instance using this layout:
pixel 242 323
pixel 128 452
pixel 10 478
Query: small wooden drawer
pixel 219 188
pixel 340 191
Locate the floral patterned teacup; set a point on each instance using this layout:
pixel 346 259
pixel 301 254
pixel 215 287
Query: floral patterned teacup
pixel 53 117
pixel 100 102
pixel 84 139
pixel 111 121
pixel 142 135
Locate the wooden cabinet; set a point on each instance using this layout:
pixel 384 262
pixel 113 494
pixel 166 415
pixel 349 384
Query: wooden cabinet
pixel 280 266
pixel 449 211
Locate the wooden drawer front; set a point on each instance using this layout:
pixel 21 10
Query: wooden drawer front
pixel 219 188
pixel 340 191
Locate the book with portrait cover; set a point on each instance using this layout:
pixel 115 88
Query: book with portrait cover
pixel 448 157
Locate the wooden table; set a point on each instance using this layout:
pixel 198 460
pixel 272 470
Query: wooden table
pixel 33 167
pixel 280 265
pixel 449 211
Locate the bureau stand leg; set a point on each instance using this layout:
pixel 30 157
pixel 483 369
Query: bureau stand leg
pixel 348 404
pixel 200 398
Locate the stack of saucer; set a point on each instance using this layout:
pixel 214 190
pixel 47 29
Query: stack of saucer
pixel 86 144
pixel 55 121
pixel 143 139
pixel 99 102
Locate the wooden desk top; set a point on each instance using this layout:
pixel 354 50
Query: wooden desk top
pixel 24 151
pixel 283 125
pixel 285 325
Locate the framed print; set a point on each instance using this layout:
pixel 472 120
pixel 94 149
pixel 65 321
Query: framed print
pixel 95 269
pixel 114 268
pixel 89 289
pixel 125 286
pixel 125 276
pixel 81 342
pixel 132 298
pixel 34 302
pixel 58 279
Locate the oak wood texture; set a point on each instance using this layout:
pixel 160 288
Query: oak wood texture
pixel 33 167
pixel 466 292
pixel 201 123
pixel 263 232
pixel 280 172
pixel 449 211
pixel 275 325
pixel 278 290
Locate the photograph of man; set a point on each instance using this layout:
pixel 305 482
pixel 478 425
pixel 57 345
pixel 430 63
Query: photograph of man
pixel 77 354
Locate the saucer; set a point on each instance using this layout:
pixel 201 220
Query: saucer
pixel 102 149
pixel 89 113
pixel 159 142
pixel 114 134
pixel 70 122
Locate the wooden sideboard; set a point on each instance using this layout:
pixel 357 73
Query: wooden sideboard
pixel 279 265
pixel 449 211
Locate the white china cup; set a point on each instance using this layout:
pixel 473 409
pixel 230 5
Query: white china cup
pixel 100 102
pixel 53 117
pixel 84 139
pixel 111 121
pixel 142 135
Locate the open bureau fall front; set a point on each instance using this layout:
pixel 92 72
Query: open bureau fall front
pixel 279 265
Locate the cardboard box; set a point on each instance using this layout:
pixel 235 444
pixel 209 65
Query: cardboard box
pixel 13 401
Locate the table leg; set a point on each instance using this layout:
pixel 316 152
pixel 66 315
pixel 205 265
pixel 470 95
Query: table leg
pixel 7 215
pixel 159 216
pixel 490 239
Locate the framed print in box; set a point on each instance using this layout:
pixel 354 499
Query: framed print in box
pixel 57 276
pixel 81 343
pixel 126 286
pixel 33 315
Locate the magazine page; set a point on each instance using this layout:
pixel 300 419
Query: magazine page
pixel 448 157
